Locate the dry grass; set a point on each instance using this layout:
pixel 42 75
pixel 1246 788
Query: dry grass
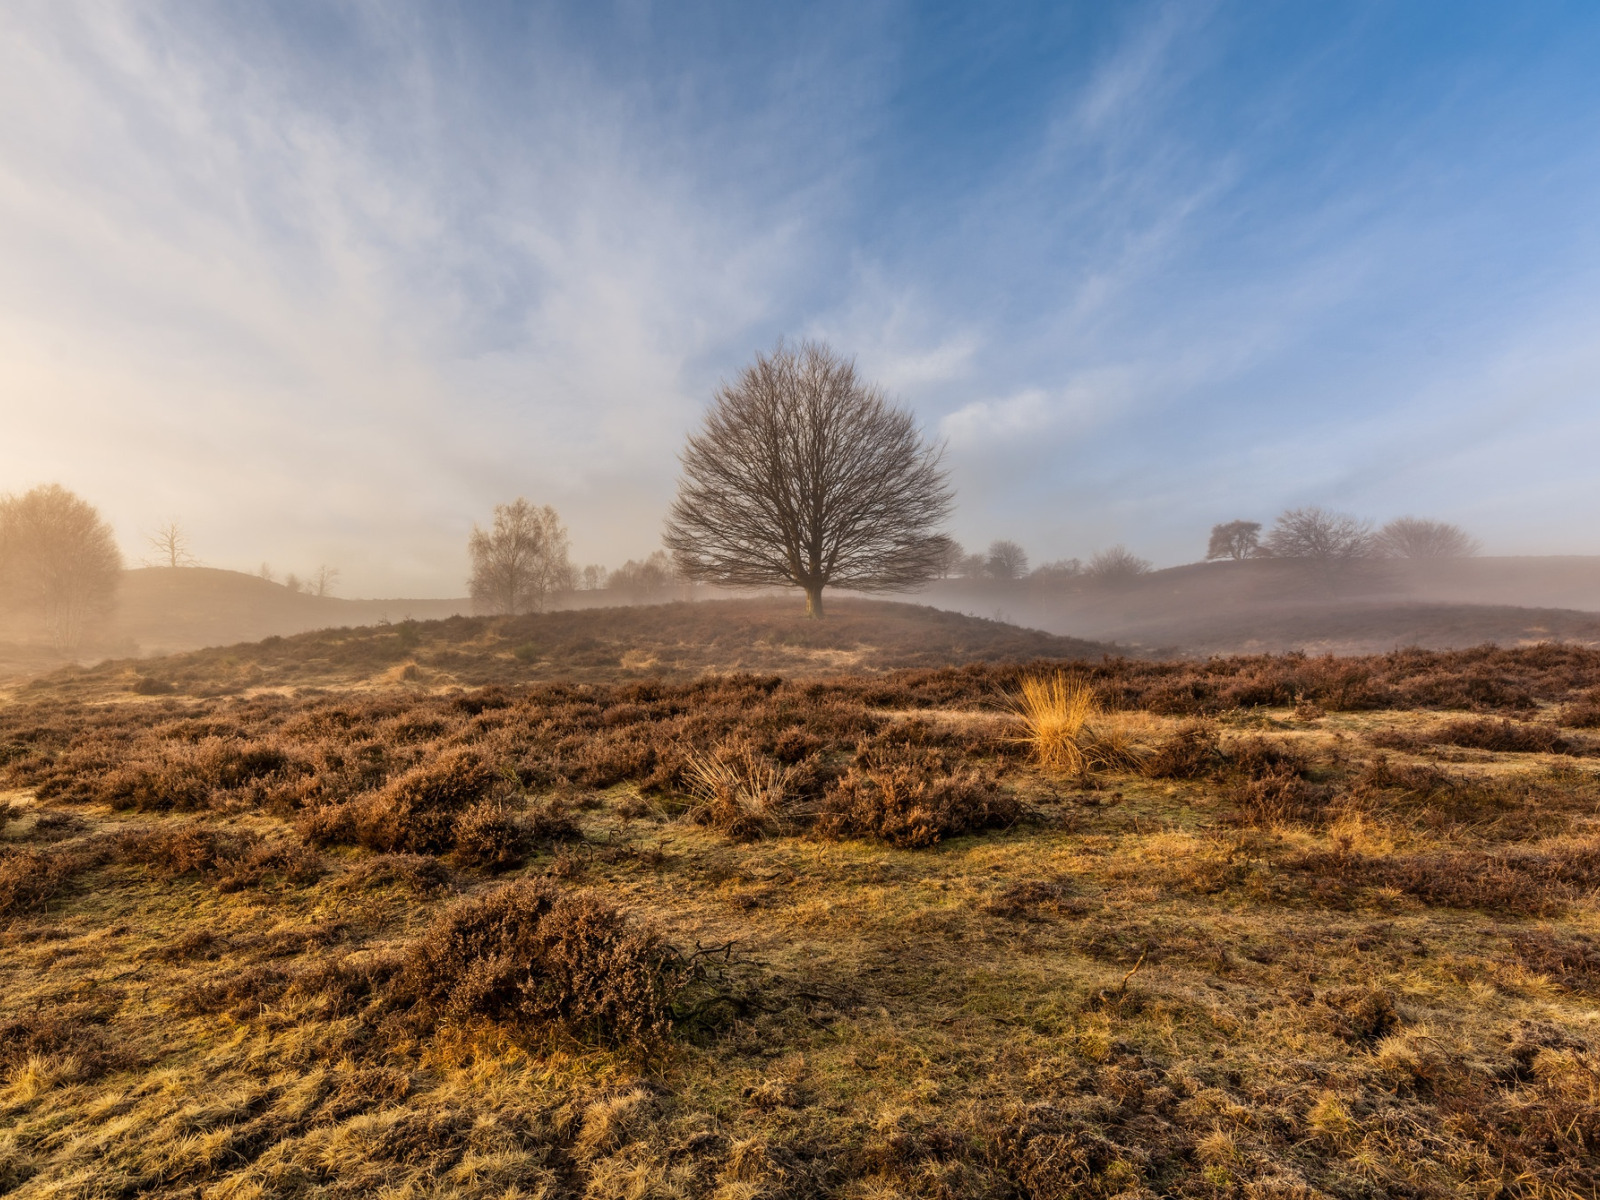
pixel 270 946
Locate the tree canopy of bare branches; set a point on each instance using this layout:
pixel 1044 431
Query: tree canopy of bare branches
pixel 1236 540
pixel 1415 537
pixel 58 562
pixel 804 474
pixel 1007 560
pixel 1116 565
pixel 518 563
pixel 171 545
pixel 1320 535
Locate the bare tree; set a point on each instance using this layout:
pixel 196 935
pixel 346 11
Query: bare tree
pixel 1415 537
pixel 1061 568
pixel 294 583
pixel 519 562
pixel 1007 560
pixel 171 545
pixel 322 582
pixel 265 572
pixel 1116 565
pixel 1236 540
pixel 804 474
pixel 1315 533
pixel 641 579
pixel 950 563
pixel 58 562
pixel 592 578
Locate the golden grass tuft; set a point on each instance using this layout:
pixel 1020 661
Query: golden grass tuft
pixel 1062 721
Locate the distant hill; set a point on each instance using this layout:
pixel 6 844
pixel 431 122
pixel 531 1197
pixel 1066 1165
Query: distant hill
pixel 161 610
pixel 676 641
pixel 1275 605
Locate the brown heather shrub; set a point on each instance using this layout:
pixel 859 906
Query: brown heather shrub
pixel 1270 786
pixel 73 1033
pixel 189 776
pixel 1502 736
pixel 1584 712
pixel 529 954
pixel 419 874
pixel 490 835
pixel 230 860
pixel 29 877
pixel 911 797
pixel 1521 883
pixel 1573 962
pixel 1193 751
pixel 421 811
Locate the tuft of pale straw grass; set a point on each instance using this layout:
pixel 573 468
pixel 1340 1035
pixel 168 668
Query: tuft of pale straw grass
pixel 1056 712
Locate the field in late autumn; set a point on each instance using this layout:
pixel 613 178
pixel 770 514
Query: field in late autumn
pixel 486 927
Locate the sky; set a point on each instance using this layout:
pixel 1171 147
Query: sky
pixel 324 282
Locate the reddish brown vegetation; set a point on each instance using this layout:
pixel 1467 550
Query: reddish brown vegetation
pixel 529 954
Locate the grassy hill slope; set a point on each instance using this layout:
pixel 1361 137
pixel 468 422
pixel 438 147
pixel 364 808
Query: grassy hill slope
pixel 673 641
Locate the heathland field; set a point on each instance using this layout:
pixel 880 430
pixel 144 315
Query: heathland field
pixel 274 924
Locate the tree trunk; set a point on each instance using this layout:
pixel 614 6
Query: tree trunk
pixel 814 601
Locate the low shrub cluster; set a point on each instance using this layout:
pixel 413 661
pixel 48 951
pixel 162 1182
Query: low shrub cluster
pixel 1523 882
pixel 453 804
pixel 529 954
pixel 230 860
pixel 912 796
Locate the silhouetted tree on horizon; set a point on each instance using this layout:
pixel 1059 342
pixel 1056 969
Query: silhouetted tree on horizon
pixel 804 474
pixel 171 544
pixel 519 562
pixel 58 562
pixel 1416 537
pixel 1236 540
pixel 1116 565
pixel 1007 560
pixel 1320 535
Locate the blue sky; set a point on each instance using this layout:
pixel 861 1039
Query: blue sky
pixel 326 281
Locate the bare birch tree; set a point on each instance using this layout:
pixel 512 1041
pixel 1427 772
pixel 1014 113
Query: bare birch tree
pixel 518 563
pixel 58 562
pixel 171 545
pixel 806 475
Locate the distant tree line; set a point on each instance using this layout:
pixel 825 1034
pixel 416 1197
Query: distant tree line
pixel 1321 535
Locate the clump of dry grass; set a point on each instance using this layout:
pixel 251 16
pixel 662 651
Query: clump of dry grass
pixel 529 954
pixel 1057 713
pixel 739 792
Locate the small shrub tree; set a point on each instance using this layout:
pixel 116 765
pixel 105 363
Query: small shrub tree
pixel 519 562
pixel 1236 540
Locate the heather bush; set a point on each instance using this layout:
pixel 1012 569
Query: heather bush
pixel 912 797
pixel 230 860
pixel 528 954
